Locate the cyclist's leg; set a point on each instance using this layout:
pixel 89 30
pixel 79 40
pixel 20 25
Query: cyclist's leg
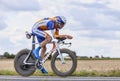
pixel 40 37
pixel 48 38
pixel 43 39
pixel 43 44
pixel 43 50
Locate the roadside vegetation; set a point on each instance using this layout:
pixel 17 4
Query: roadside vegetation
pixel 87 66
pixel 7 55
pixel 113 73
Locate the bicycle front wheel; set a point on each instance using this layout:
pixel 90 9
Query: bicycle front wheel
pixel 67 68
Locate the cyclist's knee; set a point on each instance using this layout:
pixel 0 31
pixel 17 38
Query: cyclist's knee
pixel 44 47
pixel 48 39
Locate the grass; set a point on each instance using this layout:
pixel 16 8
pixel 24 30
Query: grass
pixel 112 73
pixel 37 73
pixel 7 72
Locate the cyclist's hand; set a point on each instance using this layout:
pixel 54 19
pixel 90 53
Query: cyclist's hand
pixel 68 37
pixel 64 37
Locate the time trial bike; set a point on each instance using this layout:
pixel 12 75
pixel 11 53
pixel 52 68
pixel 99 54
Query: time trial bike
pixel 63 62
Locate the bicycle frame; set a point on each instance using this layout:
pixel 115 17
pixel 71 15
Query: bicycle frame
pixel 33 47
pixel 53 50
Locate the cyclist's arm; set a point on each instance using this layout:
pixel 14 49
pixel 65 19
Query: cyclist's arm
pixel 56 34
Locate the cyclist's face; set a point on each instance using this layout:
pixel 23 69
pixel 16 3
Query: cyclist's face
pixel 60 25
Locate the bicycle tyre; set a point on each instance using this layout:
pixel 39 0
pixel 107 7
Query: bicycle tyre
pixel 73 66
pixel 20 67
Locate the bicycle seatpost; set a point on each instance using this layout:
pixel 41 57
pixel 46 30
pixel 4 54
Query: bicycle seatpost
pixel 33 42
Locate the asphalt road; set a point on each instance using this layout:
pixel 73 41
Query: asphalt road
pixel 55 78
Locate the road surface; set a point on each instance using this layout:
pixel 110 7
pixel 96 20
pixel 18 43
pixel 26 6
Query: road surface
pixel 55 78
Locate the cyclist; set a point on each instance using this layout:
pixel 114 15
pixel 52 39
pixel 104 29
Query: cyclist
pixel 39 28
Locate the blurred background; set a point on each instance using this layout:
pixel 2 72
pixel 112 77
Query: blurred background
pixel 94 24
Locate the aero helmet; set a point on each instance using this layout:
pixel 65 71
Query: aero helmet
pixel 61 19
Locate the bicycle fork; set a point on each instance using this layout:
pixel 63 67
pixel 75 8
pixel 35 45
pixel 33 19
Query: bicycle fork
pixel 61 56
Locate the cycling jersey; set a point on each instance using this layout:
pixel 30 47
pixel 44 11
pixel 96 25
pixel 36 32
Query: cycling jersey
pixel 43 25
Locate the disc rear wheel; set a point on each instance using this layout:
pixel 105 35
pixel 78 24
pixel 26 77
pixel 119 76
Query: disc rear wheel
pixel 20 67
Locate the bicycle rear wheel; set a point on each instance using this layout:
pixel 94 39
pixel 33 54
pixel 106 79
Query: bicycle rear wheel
pixel 20 67
pixel 67 68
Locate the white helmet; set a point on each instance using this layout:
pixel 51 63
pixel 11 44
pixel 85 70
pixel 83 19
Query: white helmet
pixel 61 19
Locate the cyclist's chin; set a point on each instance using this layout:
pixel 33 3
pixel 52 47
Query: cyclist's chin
pixel 60 27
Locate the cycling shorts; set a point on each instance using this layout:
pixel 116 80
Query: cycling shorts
pixel 40 34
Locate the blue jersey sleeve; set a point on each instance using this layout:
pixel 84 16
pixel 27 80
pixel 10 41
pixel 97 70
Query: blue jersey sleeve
pixel 50 25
